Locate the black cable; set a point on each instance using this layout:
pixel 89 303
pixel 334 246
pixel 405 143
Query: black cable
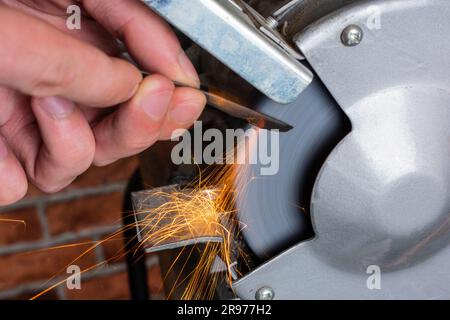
pixel 137 270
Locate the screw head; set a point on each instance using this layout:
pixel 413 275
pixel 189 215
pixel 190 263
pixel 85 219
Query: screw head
pixel 265 293
pixel 352 35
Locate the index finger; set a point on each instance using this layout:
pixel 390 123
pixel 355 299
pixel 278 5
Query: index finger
pixel 148 38
pixel 39 60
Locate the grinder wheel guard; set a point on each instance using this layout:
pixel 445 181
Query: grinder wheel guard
pixel 364 177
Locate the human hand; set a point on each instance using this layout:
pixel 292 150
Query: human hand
pixel 67 102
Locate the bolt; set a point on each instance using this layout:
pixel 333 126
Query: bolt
pixel 352 35
pixel 265 293
pixel 272 23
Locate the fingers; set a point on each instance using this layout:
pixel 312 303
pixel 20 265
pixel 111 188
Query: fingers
pixel 137 124
pixel 14 183
pixel 53 142
pixel 148 38
pixel 7 103
pixel 68 144
pixel 186 106
pixel 39 60
pixel 54 13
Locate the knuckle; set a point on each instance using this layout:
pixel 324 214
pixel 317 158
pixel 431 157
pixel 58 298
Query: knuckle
pixel 122 150
pixel 52 186
pixel 14 194
pixel 48 188
pixel 80 155
pixel 103 162
pixel 57 171
pixel 53 78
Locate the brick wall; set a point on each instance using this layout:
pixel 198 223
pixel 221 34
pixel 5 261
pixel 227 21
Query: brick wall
pixel 58 228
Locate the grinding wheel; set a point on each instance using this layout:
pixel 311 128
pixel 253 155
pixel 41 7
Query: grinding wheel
pixel 275 208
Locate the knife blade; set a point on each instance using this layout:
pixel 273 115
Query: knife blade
pixel 237 110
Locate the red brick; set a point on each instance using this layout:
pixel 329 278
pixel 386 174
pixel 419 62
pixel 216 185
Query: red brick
pixel 86 213
pixel 51 295
pixel 112 287
pixel 42 265
pixel 155 280
pixel 114 247
pixel 14 231
pixel 119 171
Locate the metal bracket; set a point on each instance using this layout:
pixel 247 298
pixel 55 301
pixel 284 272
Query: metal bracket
pixel 222 28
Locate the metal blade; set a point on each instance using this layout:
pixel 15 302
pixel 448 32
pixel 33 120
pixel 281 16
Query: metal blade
pixel 237 110
pixel 252 117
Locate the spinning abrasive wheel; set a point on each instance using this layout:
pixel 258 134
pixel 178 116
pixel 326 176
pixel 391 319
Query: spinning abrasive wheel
pixel 275 207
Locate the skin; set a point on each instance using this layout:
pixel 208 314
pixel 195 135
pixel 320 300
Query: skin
pixel 67 102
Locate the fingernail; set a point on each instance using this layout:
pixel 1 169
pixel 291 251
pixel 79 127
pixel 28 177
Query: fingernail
pixel 155 102
pixel 188 69
pixel 57 107
pixel 186 112
pixel 3 150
